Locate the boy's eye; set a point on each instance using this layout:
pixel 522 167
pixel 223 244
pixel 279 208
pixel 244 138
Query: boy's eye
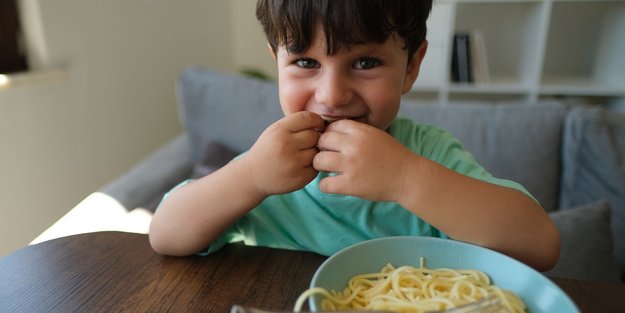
pixel 367 63
pixel 307 63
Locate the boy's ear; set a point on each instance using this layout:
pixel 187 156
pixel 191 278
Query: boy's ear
pixel 412 70
pixel 273 53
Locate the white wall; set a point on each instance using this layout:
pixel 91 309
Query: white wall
pixel 62 139
pixel 250 46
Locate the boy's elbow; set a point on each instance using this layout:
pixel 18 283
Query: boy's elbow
pixel 165 247
pixel 158 245
pixel 163 243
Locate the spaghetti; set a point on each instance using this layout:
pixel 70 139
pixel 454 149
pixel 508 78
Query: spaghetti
pixel 409 289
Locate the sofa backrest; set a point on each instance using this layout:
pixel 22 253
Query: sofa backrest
pixel 515 141
pixel 519 142
pixel 594 166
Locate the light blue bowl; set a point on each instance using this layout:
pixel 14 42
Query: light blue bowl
pixel 538 292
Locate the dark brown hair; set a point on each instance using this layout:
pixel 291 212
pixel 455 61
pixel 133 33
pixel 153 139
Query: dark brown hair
pixel 345 22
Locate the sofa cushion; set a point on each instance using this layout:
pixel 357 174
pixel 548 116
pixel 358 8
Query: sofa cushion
pixel 214 156
pixel 593 158
pixel 226 108
pixel 514 141
pixel 587 244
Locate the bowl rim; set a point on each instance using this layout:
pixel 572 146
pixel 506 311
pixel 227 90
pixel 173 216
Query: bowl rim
pixel 339 254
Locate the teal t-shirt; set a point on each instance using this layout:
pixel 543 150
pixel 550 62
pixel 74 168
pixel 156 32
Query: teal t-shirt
pixel 311 220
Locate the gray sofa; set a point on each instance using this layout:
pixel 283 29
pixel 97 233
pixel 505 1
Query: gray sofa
pixel 571 158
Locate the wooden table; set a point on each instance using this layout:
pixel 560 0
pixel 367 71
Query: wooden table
pixel 119 272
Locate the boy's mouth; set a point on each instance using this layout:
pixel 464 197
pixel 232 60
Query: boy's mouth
pixel 330 119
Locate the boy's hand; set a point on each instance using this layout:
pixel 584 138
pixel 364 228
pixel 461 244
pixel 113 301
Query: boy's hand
pixel 281 159
pixel 370 163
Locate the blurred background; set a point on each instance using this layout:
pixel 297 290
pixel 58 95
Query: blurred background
pixel 87 87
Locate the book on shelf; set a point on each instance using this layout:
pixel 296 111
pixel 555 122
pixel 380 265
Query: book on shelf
pixel 461 71
pixel 469 63
pixel 481 74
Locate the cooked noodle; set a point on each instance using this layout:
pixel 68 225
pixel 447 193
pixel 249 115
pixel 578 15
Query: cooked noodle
pixel 409 289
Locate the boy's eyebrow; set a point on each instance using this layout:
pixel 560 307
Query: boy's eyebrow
pixel 366 48
pixel 286 53
pixel 372 50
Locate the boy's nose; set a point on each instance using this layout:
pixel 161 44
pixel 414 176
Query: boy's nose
pixel 334 90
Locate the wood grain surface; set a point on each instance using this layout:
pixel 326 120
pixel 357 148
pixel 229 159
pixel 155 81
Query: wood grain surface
pixel 119 272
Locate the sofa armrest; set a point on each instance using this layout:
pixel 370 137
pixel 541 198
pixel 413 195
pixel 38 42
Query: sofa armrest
pixel 124 204
pixel 144 184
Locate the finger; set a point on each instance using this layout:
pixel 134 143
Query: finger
pixel 306 139
pixel 327 161
pixel 333 184
pixel 307 156
pixel 303 120
pixel 332 140
pixel 344 126
pixel 309 174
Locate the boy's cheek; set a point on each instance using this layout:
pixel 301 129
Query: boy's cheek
pixel 293 98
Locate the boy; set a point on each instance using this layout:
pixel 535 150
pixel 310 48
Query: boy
pixel 343 67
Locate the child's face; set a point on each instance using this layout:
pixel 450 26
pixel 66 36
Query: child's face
pixel 363 83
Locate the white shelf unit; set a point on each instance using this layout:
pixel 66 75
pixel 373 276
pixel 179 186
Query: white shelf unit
pixel 535 49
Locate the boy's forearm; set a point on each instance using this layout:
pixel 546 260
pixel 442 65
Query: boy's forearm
pixel 196 214
pixel 482 213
